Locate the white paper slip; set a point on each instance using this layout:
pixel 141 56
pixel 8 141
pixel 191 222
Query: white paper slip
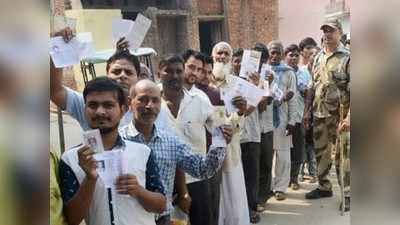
pixel 265 70
pixel 255 96
pixel 86 46
pixel 67 54
pixel 227 96
pixel 266 89
pixel 218 139
pixel 121 28
pixel 250 63
pixel 277 92
pixel 138 31
pixel 251 93
pixel 64 54
pixel 109 166
pixel 92 138
pixel 218 116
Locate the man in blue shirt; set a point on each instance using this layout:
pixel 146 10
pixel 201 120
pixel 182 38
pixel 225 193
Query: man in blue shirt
pixel 292 53
pixel 170 152
pixel 122 67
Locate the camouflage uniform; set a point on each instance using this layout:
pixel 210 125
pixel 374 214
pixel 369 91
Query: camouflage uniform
pixel 331 79
pixel 345 144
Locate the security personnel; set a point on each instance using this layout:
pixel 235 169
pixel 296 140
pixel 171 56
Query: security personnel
pixel 329 92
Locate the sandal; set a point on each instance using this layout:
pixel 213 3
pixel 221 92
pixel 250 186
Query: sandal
pixel 254 217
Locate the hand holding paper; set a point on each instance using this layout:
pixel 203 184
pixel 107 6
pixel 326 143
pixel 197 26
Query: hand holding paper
pixel 277 93
pixel 218 139
pixel 250 93
pixel 110 165
pixel 87 162
pixel 250 63
pixel 122 44
pixel 254 78
pixel 70 53
pixel 133 31
pixel 66 33
pixel 128 184
pixel 92 138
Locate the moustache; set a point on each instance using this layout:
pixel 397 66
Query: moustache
pixel 148 112
pixel 172 83
pixel 100 118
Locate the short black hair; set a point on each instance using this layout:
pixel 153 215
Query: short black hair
pixel 105 84
pixel 263 49
pixel 208 60
pixel 196 54
pixel 171 59
pixel 237 52
pixel 291 48
pixel 124 54
pixel 307 41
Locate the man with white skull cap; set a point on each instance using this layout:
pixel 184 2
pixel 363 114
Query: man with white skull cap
pixel 233 187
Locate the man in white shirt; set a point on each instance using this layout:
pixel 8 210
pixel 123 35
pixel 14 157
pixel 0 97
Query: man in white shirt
pixel 138 192
pixel 283 116
pixel 188 114
pixel 194 63
pixel 233 187
pixel 303 79
pixel 266 130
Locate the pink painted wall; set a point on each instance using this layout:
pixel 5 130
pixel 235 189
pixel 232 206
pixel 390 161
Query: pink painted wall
pixel 299 19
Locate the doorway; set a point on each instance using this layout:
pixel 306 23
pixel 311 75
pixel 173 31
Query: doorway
pixel 210 33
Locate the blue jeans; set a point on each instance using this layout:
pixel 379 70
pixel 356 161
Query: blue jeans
pixel 310 160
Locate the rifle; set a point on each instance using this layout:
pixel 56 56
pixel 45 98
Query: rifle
pixel 340 146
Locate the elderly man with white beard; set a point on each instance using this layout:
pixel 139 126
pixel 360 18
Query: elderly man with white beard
pixel 233 202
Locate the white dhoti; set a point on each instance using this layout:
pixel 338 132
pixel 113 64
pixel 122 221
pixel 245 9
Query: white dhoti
pixel 282 163
pixel 233 209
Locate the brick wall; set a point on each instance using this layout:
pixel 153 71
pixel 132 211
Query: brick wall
pixel 246 22
pixel 210 7
pixel 251 21
pixel 58 7
pixel 68 76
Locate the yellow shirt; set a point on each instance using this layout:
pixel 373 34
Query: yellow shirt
pixel 56 203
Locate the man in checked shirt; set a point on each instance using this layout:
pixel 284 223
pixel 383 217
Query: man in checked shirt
pixel 169 151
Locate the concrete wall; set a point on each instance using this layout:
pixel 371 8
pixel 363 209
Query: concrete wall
pixel 300 19
pixel 98 22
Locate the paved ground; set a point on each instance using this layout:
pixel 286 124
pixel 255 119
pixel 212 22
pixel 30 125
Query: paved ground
pixel 293 211
pixel 296 210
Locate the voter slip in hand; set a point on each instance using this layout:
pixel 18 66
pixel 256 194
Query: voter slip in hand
pixel 133 31
pixel 218 139
pixel 251 93
pixel 92 138
pixel 277 93
pixel 110 165
pixel 250 63
pixel 71 53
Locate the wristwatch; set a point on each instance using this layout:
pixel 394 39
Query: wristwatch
pixel 185 196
